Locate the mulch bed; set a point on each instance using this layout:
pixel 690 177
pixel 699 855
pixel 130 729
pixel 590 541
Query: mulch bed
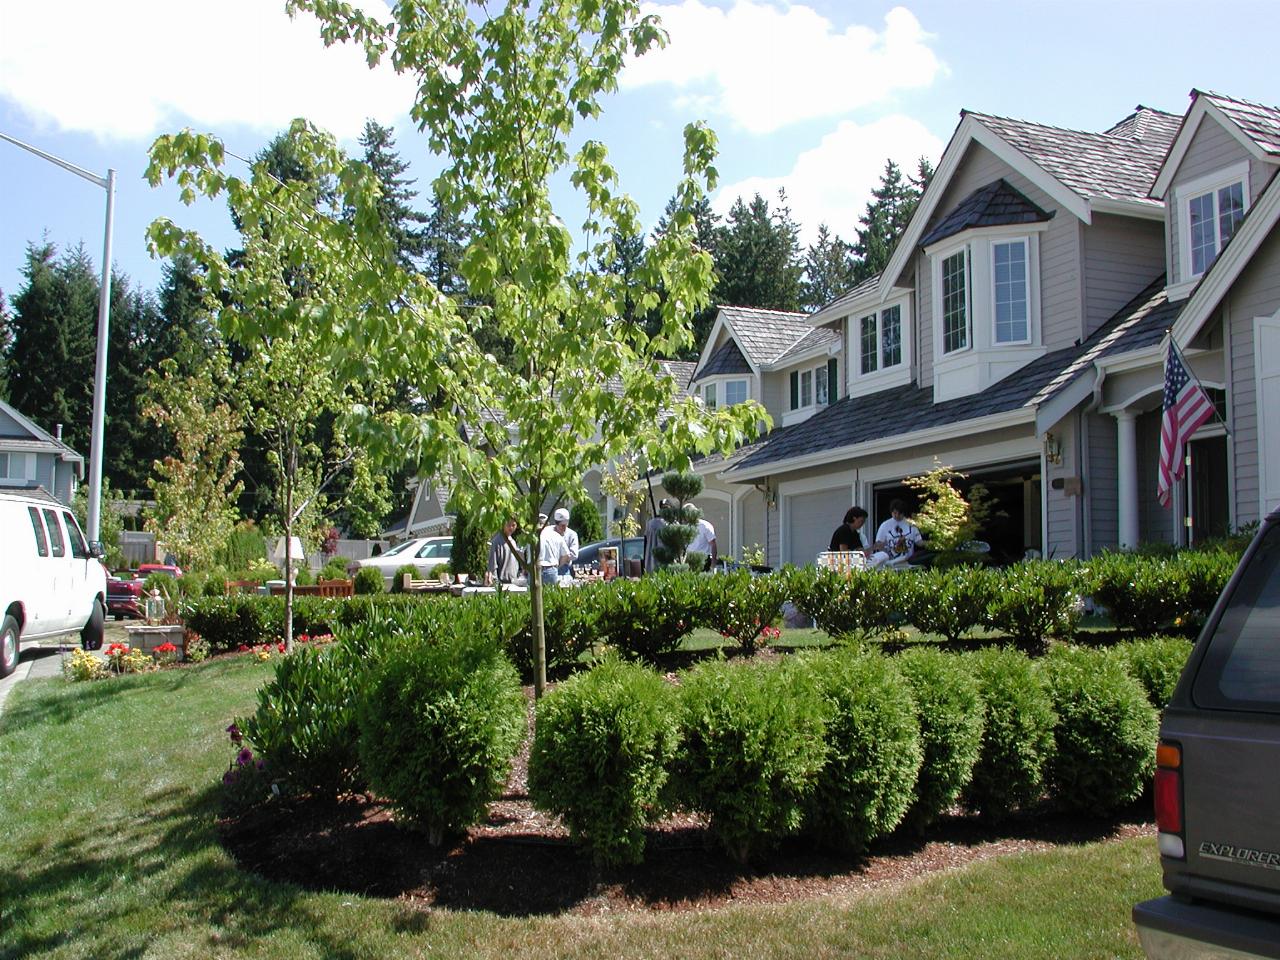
pixel 519 862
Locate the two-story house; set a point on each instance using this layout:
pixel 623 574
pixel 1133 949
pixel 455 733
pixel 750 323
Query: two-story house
pixel 32 457
pixel 1018 333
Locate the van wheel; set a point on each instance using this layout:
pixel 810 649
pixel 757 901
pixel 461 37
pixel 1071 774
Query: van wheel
pixel 8 645
pixel 93 632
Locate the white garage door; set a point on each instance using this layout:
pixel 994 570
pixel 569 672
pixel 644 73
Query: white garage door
pixel 810 519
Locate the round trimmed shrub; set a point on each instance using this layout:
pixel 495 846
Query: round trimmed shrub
pixel 1037 599
pixel 952 718
pixel 843 606
pixel 602 745
pixel 740 605
pixel 1156 664
pixel 367 581
pixel 751 750
pixel 873 747
pixel 402 571
pixel 305 725
pixel 439 722
pixel 335 568
pixel 1106 731
pixel 949 601
pixel 1017 740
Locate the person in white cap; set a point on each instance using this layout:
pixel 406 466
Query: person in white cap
pixel 570 540
pixel 552 551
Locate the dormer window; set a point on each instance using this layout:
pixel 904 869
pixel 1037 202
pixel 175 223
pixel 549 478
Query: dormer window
pixel 1210 208
pixel 880 340
pixel 955 301
pixel 814 387
pixel 726 392
pixel 735 392
pixel 709 396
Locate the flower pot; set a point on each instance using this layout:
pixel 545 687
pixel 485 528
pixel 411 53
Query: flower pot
pixel 146 638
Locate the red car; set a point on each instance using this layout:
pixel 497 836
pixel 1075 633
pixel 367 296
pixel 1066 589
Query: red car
pixel 124 591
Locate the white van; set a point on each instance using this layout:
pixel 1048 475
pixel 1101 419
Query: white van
pixel 51 582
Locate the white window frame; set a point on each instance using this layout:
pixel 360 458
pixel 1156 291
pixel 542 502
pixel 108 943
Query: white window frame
pixel 746 391
pixel 26 465
pixel 937 259
pixel 1027 287
pixel 878 317
pixel 709 393
pixel 1199 187
pixel 810 375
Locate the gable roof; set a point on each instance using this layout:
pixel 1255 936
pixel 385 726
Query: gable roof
pixel 908 409
pixel 995 205
pixel 37 439
pixel 842 304
pixel 765 335
pixel 727 358
pixel 1111 171
pixel 1255 125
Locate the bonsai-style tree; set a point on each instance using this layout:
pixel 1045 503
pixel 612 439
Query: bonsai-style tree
pixel 681 516
pixel 499 97
pixel 946 518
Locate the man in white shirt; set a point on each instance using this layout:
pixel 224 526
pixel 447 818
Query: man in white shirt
pixel 896 539
pixel 705 541
pixel 552 552
pixel 570 540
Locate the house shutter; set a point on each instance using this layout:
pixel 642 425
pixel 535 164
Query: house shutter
pixel 795 389
pixel 833 383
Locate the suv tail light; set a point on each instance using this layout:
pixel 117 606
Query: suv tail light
pixel 1168 790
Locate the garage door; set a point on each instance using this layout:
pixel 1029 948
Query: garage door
pixel 810 519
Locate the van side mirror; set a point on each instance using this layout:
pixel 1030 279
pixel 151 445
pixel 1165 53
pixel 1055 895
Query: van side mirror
pixel 96 550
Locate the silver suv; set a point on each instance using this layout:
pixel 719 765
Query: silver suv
pixel 1218 779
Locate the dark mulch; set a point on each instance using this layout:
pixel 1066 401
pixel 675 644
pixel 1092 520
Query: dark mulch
pixel 520 862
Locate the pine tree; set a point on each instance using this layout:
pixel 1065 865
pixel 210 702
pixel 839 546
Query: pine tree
pixel 407 227
pixel 890 209
pixel 6 343
pixel 829 269
pixel 706 227
pixel 758 256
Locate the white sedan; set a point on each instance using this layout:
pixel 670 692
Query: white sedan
pixel 425 553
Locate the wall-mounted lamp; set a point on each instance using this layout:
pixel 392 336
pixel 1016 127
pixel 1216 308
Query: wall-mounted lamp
pixel 770 495
pixel 1053 449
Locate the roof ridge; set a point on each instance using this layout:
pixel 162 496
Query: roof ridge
pixel 1105 136
pixel 1195 91
pixel 784 313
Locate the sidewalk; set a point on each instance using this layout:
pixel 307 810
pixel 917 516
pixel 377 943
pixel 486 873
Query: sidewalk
pixel 35 662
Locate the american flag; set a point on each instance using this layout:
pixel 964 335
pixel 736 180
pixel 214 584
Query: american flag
pixel 1186 406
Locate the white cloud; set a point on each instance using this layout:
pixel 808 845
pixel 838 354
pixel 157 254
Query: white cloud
pixel 133 68
pixel 766 66
pixel 832 183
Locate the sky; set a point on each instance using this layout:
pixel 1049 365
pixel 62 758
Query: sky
pixel 812 97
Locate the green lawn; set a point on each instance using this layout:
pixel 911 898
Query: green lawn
pixel 109 851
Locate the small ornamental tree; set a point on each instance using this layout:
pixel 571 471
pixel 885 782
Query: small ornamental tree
pixel 499 94
pixel 945 517
pixel 620 482
pixel 681 517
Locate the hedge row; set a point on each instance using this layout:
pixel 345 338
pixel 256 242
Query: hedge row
pixel 843 745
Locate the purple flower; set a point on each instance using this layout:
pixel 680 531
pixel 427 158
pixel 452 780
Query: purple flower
pixel 244 756
pixel 229 778
pixel 262 765
pixel 234 732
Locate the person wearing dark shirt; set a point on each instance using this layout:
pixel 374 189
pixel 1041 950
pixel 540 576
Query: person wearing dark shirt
pixel 848 536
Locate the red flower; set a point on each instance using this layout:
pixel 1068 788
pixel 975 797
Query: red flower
pixel 280 647
pixel 244 647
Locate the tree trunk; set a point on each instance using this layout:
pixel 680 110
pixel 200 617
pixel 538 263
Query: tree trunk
pixel 290 468
pixel 539 630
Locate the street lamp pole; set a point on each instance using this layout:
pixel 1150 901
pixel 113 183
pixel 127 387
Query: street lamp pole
pixel 108 184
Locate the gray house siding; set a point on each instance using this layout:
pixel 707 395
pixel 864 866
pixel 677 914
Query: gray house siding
pixel 774 390
pixel 1121 256
pixel 773 553
pixel 1062 509
pixel 10 427
pixel 1101 494
pixel 1255 294
pixel 1212 149
pixel 753 521
pixel 1155 523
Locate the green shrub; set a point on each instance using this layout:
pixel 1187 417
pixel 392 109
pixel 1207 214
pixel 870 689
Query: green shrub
pixel 402 571
pixel 1036 600
pixel 368 581
pixel 855 606
pixel 470 550
pixel 949 601
pixel 215 585
pixel 952 717
pixel 872 747
pixel 740 605
pixel 1017 740
pixel 304 727
pixel 1156 664
pixel 303 577
pixel 584 520
pixel 245 545
pixel 601 750
pixel 439 721
pixel 752 748
pixel 335 568
pixel 1139 592
pixel 229 623
pixel 1105 733
pixel 647 618
pixel 1205 574
pixel 570 619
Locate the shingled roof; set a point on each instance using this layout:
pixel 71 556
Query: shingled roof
pixel 727 358
pixel 907 409
pixel 765 335
pixel 995 205
pixel 1258 122
pixel 1117 165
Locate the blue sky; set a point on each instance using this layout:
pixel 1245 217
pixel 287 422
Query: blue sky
pixel 812 96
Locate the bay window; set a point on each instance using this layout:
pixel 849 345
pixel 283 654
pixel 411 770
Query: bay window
pixel 955 302
pixel 1009 300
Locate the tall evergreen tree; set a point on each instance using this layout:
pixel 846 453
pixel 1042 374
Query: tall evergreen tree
pixel 54 325
pixel 6 343
pixel 130 445
pixel 758 256
pixel 888 212
pixel 405 225
pixel 829 269
pixel 706 228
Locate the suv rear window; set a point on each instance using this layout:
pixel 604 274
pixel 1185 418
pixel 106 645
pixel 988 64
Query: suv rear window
pixel 42 545
pixel 55 534
pixel 1241 668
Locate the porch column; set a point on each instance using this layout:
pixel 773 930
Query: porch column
pixel 1127 478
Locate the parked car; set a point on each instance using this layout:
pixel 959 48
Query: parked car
pixel 1217 777
pixel 632 549
pixel 51 581
pixel 425 553
pixel 124 596
pixel 169 569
